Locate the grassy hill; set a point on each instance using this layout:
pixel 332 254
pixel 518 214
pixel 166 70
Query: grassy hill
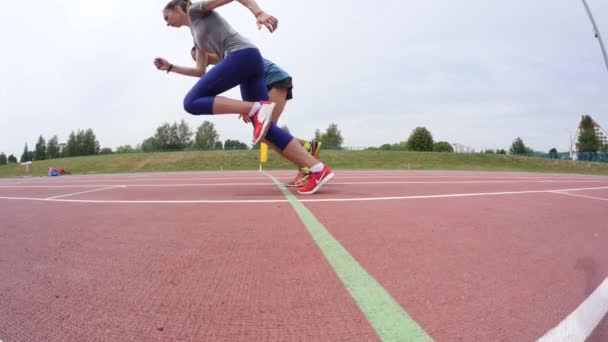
pixel 249 160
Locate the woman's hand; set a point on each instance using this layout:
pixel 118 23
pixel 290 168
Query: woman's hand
pixel 161 63
pixel 245 118
pixel 265 19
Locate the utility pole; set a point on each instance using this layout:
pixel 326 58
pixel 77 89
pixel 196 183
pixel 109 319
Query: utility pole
pixel 597 33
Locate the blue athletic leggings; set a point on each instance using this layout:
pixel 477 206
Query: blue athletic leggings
pixel 245 68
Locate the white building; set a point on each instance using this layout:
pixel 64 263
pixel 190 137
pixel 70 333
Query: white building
pixel 460 148
pixel 601 134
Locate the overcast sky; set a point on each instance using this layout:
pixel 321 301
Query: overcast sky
pixel 475 72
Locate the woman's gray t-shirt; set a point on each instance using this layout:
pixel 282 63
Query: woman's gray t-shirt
pixel 213 34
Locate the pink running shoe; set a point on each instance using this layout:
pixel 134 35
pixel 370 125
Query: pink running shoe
pixel 316 180
pixel 261 121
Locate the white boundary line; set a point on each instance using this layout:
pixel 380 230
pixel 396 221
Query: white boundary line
pixel 583 320
pixel 303 198
pixel 270 184
pixel 144 201
pixel 133 185
pixel 582 196
pixel 343 175
pixel 445 195
pixel 85 192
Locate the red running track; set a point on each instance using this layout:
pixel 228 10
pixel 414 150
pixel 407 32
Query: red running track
pixel 223 257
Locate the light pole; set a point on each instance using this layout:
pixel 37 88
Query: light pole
pixel 597 33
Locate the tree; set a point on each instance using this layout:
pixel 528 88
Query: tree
pixel 12 159
pixel 89 143
pixel 393 147
pixel 317 135
pixel 149 145
pixel 52 148
pixel 71 148
pixel 442 146
pixel 2 158
pixel 420 140
pixel 184 134
pixel 332 138
pixel 26 155
pixel 178 136
pixel 587 139
pixel 40 151
pixel 162 137
pixel 81 143
pixel 218 145
pixel 234 145
pixel 206 136
pixel 518 147
pixel 124 149
pixel 553 153
pixel 169 137
pixel 105 150
pixel 501 151
pixel 174 142
pixel 489 151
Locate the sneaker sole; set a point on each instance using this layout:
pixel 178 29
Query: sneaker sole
pixel 321 183
pixel 290 185
pixel 267 109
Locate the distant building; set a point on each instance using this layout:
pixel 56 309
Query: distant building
pixel 601 134
pixel 460 148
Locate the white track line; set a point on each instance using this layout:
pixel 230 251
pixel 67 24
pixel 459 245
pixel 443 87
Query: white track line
pixel 137 185
pixel 444 196
pixel 84 192
pixel 271 184
pixel 583 320
pixel 582 196
pixel 303 198
pixel 144 201
pixel 126 179
pixel 343 175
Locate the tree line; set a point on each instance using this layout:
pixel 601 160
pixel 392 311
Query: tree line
pixel 174 136
pixel 179 136
pixel 80 143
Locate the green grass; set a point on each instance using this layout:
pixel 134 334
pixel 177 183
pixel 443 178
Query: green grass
pixel 249 160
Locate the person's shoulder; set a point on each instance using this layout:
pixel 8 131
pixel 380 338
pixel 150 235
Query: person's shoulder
pixel 194 6
pixel 197 9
